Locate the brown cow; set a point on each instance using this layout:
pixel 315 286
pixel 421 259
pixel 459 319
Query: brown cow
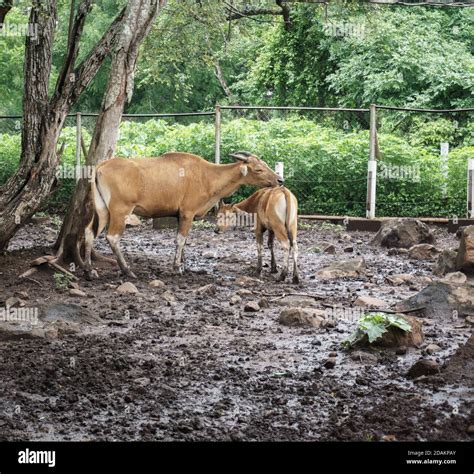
pixel 175 184
pixel 276 210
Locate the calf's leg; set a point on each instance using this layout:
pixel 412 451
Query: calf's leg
pixel 296 277
pixel 259 231
pixel 271 240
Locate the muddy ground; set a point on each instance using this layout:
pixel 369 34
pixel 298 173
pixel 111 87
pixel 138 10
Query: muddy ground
pixel 202 369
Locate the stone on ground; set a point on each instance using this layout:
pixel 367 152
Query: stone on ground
pixel 127 287
pixel 423 367
pixel 446 262
pixel 370 302
pixel 315 318
pixel 465 257
pixel 423 252
pixel 402 233
pixel 343 269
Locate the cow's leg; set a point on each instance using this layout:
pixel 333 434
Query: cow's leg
pixel 259 231
pixel 271 240
pixel 184 226
pixel 296 277
pixel 114 233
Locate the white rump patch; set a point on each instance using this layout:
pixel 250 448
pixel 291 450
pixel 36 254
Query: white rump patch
pixel 280 208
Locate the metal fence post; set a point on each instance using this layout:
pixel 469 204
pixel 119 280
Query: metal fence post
pixel 372 166
pixel 443 153
pixel 218 135
pixel 470 188
pixel 78 145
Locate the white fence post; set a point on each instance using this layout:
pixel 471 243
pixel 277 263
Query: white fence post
pixel 78 145
pixel 279 169
pixel 443 153
pixel 218 135
pixel 470 188
pixel 372 166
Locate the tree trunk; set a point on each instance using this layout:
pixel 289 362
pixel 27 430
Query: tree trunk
pixel 138 20
pixel 43 118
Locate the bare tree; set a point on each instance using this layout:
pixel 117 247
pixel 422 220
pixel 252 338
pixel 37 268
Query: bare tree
pixel 137 22
pixel 44 116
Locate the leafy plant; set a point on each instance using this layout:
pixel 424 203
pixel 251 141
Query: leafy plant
pixel 61 281
pixel 374 325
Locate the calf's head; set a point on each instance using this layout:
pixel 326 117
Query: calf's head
pixel 255 171
pixel 226 218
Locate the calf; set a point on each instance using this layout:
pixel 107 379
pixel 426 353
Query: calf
pixel 276 210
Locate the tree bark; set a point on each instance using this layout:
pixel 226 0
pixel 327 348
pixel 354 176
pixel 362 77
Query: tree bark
pixel 43 118
pixel 138 20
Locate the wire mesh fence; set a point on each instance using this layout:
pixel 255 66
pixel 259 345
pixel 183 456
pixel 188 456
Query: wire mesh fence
pixel 325 153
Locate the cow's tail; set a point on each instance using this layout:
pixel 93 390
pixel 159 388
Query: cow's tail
pixel 101 214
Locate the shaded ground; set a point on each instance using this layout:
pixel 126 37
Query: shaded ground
pixel 202 369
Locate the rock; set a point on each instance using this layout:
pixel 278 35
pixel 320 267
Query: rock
pixel 432 348
pixel 263 303
pixel 423 252
pixel 235 299
pixel 77 292
pixel 364 357
pixel 349 249
pixel 343 269
pixel 303 317
pixel 244 292
pixel 127 287
pixel 470 320
pixel 157 284
pixel 330 363
pixel 209 255
pixel 395 338
pixel 456 278
pixel 247 281
pixel 446 262
pixel 296 301
pixel 465 257
pixel 132 220
pixel 402 233
pixel 400 279
pixel 329 249
pixel 369 301
pixel 15 331
pixel 69 313
pixel 22 295
pixel 401 350
pixel 441 299
pixel 13 301
pixel 169 297
pixel 332 354
pixel 252 306
pixel 207 290
pixel 470 429
pixel 346 237
pixel 423 367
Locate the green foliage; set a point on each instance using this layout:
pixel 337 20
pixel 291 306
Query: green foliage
pixel 325 167
pixel 62 281
pixel 374 325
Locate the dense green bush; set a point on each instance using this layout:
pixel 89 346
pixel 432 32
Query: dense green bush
pixel 325 167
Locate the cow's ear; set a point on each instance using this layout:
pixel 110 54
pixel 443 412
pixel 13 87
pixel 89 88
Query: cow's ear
pixel 241 156
pixel 244 170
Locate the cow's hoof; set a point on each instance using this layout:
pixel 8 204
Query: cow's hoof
pixel 296 279
pixel 179 269
pixel 130 274
pixel 282 276
pixel 274 270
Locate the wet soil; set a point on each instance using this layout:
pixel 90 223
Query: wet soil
pixel 200 368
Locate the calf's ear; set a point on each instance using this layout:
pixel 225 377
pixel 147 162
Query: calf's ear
pixel 244 170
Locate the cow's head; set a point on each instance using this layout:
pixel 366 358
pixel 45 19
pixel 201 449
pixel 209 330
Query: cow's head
pixel 255 171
